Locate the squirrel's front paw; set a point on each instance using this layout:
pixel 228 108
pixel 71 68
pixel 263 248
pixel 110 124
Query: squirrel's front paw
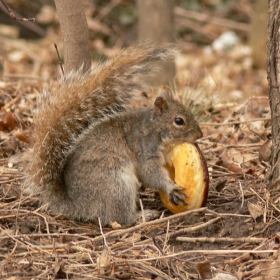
pixel 177 197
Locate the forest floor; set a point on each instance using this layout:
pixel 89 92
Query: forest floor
pixel 236 235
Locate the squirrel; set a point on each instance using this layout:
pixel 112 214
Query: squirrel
pixel 92 151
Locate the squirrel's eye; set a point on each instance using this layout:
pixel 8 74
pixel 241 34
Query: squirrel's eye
pixel 179 121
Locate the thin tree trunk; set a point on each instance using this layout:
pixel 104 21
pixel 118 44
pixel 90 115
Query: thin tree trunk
pixel 156 24
pixel 273 75
pixel 75 35
pixel 156 20
pixel 258 34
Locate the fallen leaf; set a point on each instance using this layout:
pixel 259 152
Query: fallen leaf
pixel 115 225
pixel 224 276
pixel 235 169
pixel 255 210
pixel 220 184
pixel 9 121
pixel 21 136
pixel 104 260
pixel 204 270
pixel 226 159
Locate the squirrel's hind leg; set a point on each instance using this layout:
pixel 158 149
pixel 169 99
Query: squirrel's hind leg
pixel 124 200
pixel 98 189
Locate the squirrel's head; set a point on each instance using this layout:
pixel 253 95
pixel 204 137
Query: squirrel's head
pixel 175 121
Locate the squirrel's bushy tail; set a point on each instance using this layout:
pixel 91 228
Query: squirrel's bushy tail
pixel 62 114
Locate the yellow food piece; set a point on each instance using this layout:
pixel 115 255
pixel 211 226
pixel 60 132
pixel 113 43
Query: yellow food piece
pixel 190 173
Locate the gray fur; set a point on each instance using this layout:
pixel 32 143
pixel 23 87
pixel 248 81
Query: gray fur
pixel 91 152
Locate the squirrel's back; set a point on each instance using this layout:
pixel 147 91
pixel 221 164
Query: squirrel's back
pixel 80 99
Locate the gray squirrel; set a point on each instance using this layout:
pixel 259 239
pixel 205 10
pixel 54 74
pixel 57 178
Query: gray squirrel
pixel 91 150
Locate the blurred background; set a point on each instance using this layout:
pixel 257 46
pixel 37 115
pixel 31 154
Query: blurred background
pixel 223 42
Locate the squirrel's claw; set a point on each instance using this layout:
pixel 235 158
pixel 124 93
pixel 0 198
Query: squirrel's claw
pixel 177 197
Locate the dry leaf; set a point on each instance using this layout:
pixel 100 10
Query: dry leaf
pixel 220 184
pixel 204 270
pixel 10 146
pixel 115 225
pixel 235 169
pixel 56 265
pixel 9 121
pixel 21 136
pixel 237 158
pixel 226 159
pixel 224 276
pixel 104 260
pixel 270 269
pixel 255 210
pixel 273 244
pixel 133 238
pixel 67 239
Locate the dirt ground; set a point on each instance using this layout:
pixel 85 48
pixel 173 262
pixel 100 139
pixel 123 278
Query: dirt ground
pixel 237 233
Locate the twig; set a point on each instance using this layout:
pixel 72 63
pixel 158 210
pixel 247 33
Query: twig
pixel 11 180
pixel 220 239
pixel 214 20
pixel 197 28
pixel 142 211
pixel 11 216
pixel 13 15
pixel 237 122
pixel 143 226
pixel 242 195
pixel 23 76
pixel 242 257
pixel 194 228
pixel 274 206
pixel 47 272
pixel 101 231
pixel 206 252
pixel 234 215
pixel 106 10
pixel 152 270
pixel 45 235
pixel 18 96
pixel 44 218
pixel 166 239
pixel 175 270
pixel 258 195
pixel 24 244
pixel 59 59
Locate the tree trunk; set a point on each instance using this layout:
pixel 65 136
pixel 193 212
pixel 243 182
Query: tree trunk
pixel 75 35
pixel 258 34
pixel 156 24
pixel 273 75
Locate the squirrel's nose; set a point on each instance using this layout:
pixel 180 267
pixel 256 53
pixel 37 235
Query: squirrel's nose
pixel 199 133
pixel 194 134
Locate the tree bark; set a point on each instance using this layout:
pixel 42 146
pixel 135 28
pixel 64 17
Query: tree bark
pixel 258 34
pixel 75 35
pixel 156 24
pixel 273 76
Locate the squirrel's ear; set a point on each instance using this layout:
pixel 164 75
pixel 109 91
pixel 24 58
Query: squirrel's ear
pixel 166 92
pixel 160 105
